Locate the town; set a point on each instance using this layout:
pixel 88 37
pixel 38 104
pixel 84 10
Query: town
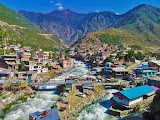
pixel 134 73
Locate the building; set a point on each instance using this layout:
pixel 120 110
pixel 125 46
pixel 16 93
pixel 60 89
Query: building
pixel 5 74
pixel 87 86
pixel 51 114
pixel 10 61
pixel 68 63
pixel 145 71
pixel 155 81
pixel 119 73
pixel 130 98
pixel 155 63
pixel 69 85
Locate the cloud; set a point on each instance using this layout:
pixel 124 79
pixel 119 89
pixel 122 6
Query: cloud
pixel 97 11
pixel 117 13
pixel 51 1
pixel 59 5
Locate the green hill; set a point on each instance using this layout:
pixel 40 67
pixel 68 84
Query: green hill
pixel 139 26
pixel 20 30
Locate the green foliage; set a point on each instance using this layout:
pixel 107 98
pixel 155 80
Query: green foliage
pixel 22 31
pixel 109 39
pixel 76 50
pixel 136 47
pixel 131 55
pixel 139 56
pixel 67 56
pixel 8 107
pixel 21 66
pixel 14 18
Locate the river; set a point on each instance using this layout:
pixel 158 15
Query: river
pixel 44 100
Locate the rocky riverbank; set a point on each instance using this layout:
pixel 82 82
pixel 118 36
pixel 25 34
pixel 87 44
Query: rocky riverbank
pixel 76 105
pixel 80 106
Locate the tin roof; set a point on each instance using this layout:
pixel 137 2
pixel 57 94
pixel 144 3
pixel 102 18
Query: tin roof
pixel 6 72
pixel 137 91
pixel 53 115
pixel 87 82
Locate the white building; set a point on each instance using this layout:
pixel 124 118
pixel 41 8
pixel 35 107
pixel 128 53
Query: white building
pixel 131 97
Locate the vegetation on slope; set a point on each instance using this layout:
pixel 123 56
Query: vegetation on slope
pixel 22 31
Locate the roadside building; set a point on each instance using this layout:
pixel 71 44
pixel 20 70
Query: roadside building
pixel 15 85
pixel 155 63
pixel 68 63
pixel 51 114
pixel 145 71
pixel 155 81
pixel 130 98
pixel 9 61
pixel 5 74
pixel 119 73
pixel 87 86
pixel 69 85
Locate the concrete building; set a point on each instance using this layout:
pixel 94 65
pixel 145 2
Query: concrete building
pixel 155 63
pixel 87 86
pixel 145 71
pixel 127 99
pixel 155 81
pixel 119 73
pixel 68 63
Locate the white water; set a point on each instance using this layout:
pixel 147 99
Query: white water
pixel 98 111
pixel 44 100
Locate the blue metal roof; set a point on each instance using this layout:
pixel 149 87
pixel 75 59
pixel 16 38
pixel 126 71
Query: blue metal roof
pixel 5 72
pixel 69 81
pixel 137 91
pixel 53 115
pixel 87 82
pixel 144 67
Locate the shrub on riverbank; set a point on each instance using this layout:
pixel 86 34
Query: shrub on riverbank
pixel 9 106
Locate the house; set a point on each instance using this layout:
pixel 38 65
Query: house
pixel 23 84
pixel 10 61
pixel 68 63
pixel 3 84
pixel 155 63
pixel 69 85
pixel 132 97
pixel 145 71
pixel 87 86
pixel 51 114
pixel 18 84
pixel 155 81
pixel 15 85
pixel 119 72
pixel 108 70
pixel 5 74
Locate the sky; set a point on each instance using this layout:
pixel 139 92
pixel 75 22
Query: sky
pixel 81 6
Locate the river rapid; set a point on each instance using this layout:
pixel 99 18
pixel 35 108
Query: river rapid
pixel 44 100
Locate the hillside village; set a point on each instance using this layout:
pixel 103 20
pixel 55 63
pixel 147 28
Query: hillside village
pixel 119 66
pixel 115 59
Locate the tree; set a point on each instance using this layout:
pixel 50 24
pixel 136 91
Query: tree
pixel 139 56
pixel 21 66
pixel 76 49
pixel 131 55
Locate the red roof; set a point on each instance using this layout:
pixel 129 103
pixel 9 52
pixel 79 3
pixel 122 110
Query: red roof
pixel 156 88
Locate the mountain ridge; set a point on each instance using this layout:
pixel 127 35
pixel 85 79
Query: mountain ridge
pixel 71 26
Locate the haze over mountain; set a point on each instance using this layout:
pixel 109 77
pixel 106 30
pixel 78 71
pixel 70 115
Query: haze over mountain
pixel 71 26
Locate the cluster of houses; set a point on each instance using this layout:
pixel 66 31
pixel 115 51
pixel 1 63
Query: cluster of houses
pixel 20 67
